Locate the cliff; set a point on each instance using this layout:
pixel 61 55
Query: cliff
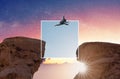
pixel 20 57
pixel 103 60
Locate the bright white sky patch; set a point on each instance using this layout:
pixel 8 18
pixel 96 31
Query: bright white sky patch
pixel 82 67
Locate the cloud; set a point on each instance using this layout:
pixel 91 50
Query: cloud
pixel 48 12
pixel 1 24
pixel 10 25
pixel 15 24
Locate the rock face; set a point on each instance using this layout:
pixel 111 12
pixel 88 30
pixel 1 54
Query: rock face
pixel 20 57
pixel 103 60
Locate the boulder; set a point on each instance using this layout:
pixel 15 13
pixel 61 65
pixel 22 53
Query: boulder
pixel 20 57
pixel 102 59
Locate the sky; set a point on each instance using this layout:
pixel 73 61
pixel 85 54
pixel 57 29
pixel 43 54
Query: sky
pixel 99 19
pixel 56 71
pixel 61 41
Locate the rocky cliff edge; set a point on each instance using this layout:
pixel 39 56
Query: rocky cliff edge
pixel 20 57
pixel 102 59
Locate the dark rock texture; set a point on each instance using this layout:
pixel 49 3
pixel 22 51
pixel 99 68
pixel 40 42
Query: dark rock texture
pixel 103 60
pixel 20 57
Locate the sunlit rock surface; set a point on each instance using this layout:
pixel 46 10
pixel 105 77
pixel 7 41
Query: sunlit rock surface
pixel 20 57
pixel 103 60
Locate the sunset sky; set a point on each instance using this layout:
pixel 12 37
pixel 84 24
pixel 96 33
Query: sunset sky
pixel 59 60
pixel 99 19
